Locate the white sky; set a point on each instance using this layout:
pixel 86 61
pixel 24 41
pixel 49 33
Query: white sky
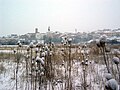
pixel 23 16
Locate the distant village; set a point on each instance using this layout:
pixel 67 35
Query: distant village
pixel 113 37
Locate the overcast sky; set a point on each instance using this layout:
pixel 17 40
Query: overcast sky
pixel 23 16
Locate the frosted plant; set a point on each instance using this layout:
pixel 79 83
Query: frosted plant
pixel 116 60
pixel 40 60
pixel 31 45
pixel 111 84
pixel 108 76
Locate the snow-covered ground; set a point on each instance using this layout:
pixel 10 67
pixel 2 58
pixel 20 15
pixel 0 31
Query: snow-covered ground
pixel 94 77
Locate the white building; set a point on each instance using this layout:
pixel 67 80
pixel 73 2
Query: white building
pixel 39 36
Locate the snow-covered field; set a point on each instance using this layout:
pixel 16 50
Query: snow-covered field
pixel 92 74
pixel 94 77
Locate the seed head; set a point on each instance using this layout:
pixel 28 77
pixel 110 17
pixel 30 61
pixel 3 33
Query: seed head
pixel 31 45
pixel 116 60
